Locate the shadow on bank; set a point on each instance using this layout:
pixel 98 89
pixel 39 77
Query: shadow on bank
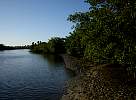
pixel 103 82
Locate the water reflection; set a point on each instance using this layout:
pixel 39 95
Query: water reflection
pixel 28 76
pixel 56 61
pixel 53 59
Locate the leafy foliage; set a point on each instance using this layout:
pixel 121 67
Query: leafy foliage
pixel 54 45
pixel 105 33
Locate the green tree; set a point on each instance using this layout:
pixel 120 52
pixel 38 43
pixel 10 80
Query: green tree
pixel 2 47
pixel 106 31
pixel 73 44
pixel 56 45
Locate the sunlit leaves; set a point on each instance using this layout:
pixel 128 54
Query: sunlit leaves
pixel 106 31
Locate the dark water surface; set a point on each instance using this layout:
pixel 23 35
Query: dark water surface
pixel 28 76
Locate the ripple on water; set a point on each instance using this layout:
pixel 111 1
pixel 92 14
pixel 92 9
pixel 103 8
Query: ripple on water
pixel 27 76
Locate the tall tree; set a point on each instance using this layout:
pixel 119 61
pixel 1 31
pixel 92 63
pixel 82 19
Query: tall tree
pixel 56 45
pixel 107 31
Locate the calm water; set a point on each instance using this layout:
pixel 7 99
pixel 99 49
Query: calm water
pixel 27 76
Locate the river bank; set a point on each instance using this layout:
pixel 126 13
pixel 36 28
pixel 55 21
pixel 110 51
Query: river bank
pixel 104 82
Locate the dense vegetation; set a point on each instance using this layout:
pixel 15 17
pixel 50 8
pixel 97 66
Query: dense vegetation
pixel 55 45
pixel 103 34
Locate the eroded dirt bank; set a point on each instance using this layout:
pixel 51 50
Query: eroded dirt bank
pixel 105 82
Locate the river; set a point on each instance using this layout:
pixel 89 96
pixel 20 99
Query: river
pixel 28 76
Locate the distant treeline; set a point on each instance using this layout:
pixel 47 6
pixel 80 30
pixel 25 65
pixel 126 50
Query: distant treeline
pixel 106 33
pixel 3 47
pixel 55 45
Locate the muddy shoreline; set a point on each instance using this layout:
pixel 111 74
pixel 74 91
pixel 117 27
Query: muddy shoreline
pixel 104 82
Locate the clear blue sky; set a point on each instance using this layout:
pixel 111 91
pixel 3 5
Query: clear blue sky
pixel 25 21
